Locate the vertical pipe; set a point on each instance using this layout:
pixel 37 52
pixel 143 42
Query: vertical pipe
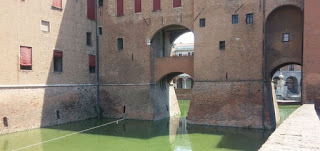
pixel 97 62
pixel 263 65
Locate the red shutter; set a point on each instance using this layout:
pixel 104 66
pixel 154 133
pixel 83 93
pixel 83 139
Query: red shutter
pixel 156 5
pixel 91 9
pixel 137 4
pixel 176 3
pixel 92 60
pixel 57 3
pixel 119 7
pixel 57 54
pixel 25 56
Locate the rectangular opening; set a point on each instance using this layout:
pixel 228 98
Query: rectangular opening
pixel 25 58
pixel 91 14
pixel 202 22
pixel 57 3
pixel 92 63
pixel 222 45
pixel 285 37
pixel 120 43
pixel 137 6
pixel 249 18
pixel 119 7
pixel 5 122
pixel 235 19
pixel 58 114
pixel 57 60
pixel 156 5
pixel 89 39
pixel 100 3
pixel 45 26
pixel 100 31
pixel 124 109
pixel 176 3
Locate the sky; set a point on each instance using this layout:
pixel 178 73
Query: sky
pixel 185 38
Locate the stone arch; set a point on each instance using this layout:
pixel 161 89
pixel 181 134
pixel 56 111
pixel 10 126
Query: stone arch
pixel 162 39
pixel 292 84
pixel 278 52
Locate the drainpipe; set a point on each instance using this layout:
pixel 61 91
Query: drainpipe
pixel 97 62
pixel 264 65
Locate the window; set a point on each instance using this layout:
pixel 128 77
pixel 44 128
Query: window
pixel 100 3
pixel 25 58
pixel 57 61
pixel 92 63
pixel 285 37
pixel 249 18
pixel 156 5
pixel 291 67
pixel 119 7
pixel 137 6
pixel 235 19
pixel 222 45
pixel 100 31
pixel 45 26
pixel 57 3
pixel 89 41
pixel 202 22
pixel 5 122
pixel 120 43
pixel 91 9
pixel 176 3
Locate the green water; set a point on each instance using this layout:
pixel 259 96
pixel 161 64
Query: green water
pixel 286 110
pixel 131 135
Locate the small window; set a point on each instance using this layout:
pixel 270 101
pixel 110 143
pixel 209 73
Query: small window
pixel 25 58
pixel 5 122
pixel 291 67
pixel 100 31
pixel 235 19
pixel 89 39
pixel 100 3
pixel 57 3
pixel 222 45
pixel 92 63
pixel 57 61
pixel 137 6
pixel 285 37
pixel 45 26
pixel 156 5
pixel 249 18
pixel 120 43
pixel 202 22
pixel 58 114
pixel 176 3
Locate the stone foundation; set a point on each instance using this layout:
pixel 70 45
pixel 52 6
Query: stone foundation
pixel 235 104
pixel 31 108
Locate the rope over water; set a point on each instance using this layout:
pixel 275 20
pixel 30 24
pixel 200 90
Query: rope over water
pixel 47 141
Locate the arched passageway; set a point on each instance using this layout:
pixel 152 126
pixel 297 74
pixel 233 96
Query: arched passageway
pixel 283 46
pixel 168 62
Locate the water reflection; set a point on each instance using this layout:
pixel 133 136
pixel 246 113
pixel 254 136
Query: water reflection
pixel 164 135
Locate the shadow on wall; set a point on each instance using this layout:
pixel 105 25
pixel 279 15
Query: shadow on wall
pixel 72 96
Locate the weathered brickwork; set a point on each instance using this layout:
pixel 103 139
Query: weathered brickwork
pixel 311 53
pixel 232 87
pixel 40 92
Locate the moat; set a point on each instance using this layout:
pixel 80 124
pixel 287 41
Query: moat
pixel 164 135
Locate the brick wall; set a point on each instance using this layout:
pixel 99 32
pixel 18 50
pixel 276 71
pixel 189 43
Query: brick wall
pixel 311 53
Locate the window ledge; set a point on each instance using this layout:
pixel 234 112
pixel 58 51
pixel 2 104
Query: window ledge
pixel 57 8
pixel 156 10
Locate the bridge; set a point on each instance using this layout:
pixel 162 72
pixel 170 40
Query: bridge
pixel 173 66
